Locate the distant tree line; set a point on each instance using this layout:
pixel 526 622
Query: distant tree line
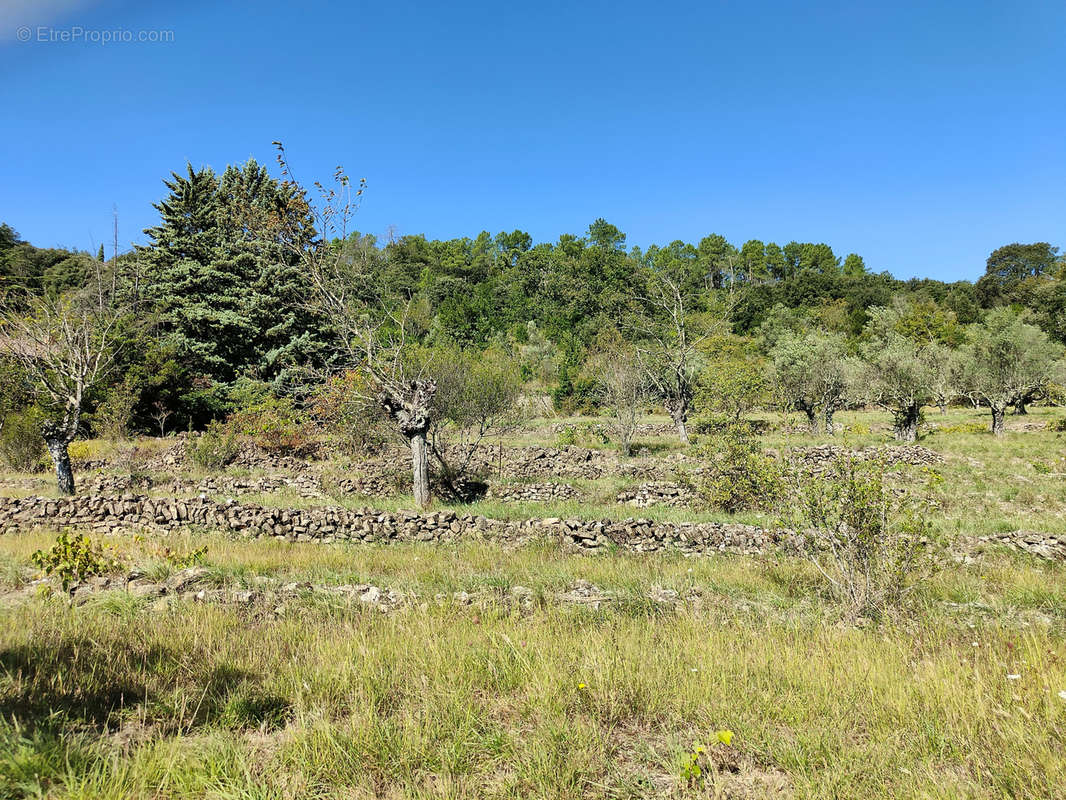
pixel 249 280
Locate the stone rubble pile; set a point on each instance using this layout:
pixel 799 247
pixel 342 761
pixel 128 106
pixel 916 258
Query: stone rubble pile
pixel 657 493
pixel 1049 546
pixel 821 457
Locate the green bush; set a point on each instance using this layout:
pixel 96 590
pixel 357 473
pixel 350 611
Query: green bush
pixel 344 408
pixel 1056 425
pixel 273 423
pixel 871 545
pixel 21 445
pixel 215 447
pixel 737 475
pixel 114 415
pixel 75 558
pixel 567 437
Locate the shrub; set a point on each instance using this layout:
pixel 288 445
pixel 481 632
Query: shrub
pixel 81 452
pixel 273 423
pixel 1056 425
pixel 75 558
pixel 345 408
pixel 567 437
pixel 737 475
pixel 21 445
pixel 214 448
pixel 113 416
pixel 871 545
pixel 963 427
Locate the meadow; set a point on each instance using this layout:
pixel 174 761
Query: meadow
pixel 533 672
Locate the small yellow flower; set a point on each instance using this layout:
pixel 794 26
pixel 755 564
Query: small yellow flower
pixel 582 686
pixel 700 749
pixel 725 737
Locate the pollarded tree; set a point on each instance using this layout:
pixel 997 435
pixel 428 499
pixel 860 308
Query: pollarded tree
pixel 1009 360
pixel 66 347
pixel 813 373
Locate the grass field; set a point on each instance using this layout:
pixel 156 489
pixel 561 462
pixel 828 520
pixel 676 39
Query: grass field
pixel 473 688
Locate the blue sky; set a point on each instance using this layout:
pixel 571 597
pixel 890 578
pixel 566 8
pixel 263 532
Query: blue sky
pixel 920 135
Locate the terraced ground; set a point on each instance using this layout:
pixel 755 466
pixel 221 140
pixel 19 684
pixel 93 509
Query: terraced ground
pixel 270 668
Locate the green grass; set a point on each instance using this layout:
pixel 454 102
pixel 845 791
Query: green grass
pixel 114 699
pixel 120 698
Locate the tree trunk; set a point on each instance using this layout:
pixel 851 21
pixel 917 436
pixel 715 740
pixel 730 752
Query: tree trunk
pixel 682 430
pixel 409 406
pixel 1019 407
pixel 679 413
pixel 420 470
pixel 997 420
pixel 57 448
pixel 812 420
pixel 907 424
pixel 829 421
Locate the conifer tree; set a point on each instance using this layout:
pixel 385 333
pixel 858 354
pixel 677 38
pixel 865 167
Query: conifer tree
pixel 199 291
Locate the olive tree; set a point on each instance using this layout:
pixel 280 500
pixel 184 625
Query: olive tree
pixel 899 376
pixel 623 388
pixel 66 347
pixel 812 373
pixel 1008 361
pixel 476 398
pixel 669 330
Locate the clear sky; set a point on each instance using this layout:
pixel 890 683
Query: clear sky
pixel 921 135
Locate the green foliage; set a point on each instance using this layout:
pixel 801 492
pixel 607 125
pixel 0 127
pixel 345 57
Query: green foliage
pixel 871 545
pixel 273 423
pixel 74 558
pixel 21 445
pixel 734 381
pixel 736 474
pixel 963 427
pixel 216 447
pixel 114 415
pixel 1006 361
pixel 567 436
pixel 183 560
pixel 344 406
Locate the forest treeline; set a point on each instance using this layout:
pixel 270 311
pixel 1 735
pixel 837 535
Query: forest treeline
pixel 229 297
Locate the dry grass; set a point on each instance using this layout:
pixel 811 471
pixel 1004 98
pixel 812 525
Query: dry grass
pixel 958 697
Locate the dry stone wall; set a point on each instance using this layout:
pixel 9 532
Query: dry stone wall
pixel 107 515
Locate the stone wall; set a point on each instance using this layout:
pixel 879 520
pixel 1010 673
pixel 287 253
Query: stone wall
pixel 534 492
pixel 130 512
pixel 107 515
pixel 821 457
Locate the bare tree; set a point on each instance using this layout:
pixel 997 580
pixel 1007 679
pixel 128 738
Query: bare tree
pixel 161 413
pixel 66 346
pixel 668 336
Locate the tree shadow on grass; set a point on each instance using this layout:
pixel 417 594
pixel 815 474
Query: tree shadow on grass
pixel 81 682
